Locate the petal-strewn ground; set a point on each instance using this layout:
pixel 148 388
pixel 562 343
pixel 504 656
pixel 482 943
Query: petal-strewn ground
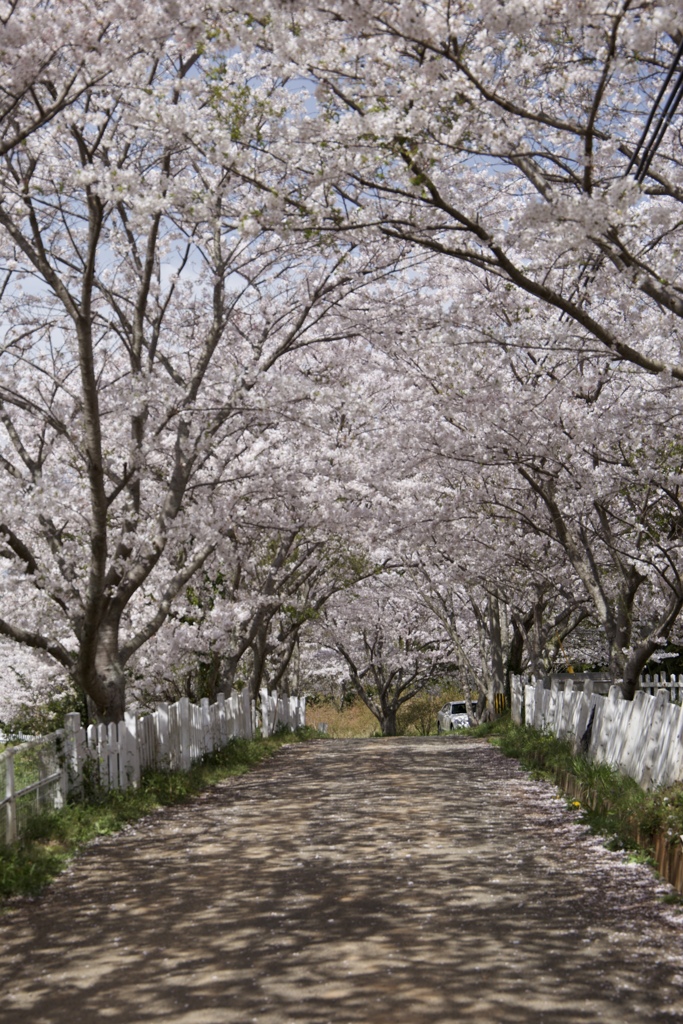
pixel 403 881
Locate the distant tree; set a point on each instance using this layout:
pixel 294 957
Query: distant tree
pixel 391 649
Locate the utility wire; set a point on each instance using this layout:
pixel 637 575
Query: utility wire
pixel 591 267
pixel 649 149
pixel 664 122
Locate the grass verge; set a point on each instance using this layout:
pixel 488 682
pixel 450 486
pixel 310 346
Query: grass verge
pixel 52 838
pixel 611 803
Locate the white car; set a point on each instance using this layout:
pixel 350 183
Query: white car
pixel 454 716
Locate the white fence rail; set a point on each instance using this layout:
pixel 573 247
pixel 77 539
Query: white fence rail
pixel 642 737
pixel 43 771
pixel 17 737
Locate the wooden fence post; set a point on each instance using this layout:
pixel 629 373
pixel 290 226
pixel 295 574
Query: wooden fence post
pixel 661 703
pixel 265 713
pixel 222 719
pixel 113 755
pixel 129 751
pixel 214 725
pixel 90 753
pixel 10 806
pixel 185 733
pixel 642 724
pixel 629 753
pixel 161 729
pixel 236 712
pixel 602 730
pixel 539 721
pixel 665 755
pixel 530 701
pixel 174 736
pixel 60 796
pixel 246 713
pixel 74 754
pixel 620 725
pixel 677 752
pixel 145 738
pixel 101 733
pixel 566 708
pixel 197 738
pixel 516 699
pixel 206 746
pixel 122 779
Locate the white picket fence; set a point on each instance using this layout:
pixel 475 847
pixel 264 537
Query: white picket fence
pixel 43 771
pixel 651 684
pixel 642 737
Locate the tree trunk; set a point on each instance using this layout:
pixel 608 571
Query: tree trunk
pixel 635 664
pixel 105 683
pixel 496 640
pixel 388 723
pixel 260 649
pixel 228 672
pixel 497 675
pixel 516 652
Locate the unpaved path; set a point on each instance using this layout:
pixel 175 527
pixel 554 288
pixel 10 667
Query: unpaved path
pixel 397 882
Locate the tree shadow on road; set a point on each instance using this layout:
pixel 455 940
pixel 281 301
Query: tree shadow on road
pixel 352 881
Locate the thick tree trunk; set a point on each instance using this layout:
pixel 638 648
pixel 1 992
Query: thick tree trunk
pixel 229 665
pixel 635 664
pixel 496 676
pixel 260 652
pixel 496 640
pixel 388 722
pixel 205 682
pixel 104 683
pixel 516 653
pixel 279 675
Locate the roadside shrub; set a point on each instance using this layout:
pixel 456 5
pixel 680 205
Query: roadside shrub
pixel 418 715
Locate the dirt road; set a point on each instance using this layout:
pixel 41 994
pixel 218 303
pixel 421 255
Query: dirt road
pixel 351 882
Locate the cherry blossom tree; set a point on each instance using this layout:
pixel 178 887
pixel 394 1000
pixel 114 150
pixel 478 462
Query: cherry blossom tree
pixel 391 648
pixel 146 317
pixel 52 55
pixel 574 459
pixel 283 284
pixel 504 137
pixel 535 491
pixel 241 621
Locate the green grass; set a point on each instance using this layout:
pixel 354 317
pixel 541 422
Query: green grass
pixel 613 804
pixel 52 838
pixel 484 730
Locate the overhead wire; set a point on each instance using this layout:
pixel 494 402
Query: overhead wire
pixel 663 121
pixel 649 149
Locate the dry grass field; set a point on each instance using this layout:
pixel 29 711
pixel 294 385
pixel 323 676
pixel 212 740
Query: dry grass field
pixel 416 718
pixel 354 721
